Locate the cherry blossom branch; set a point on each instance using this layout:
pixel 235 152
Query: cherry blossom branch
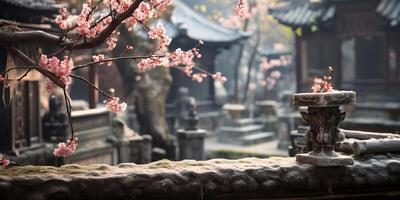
pixel 68 107
pixel 89 64
pixel 108 30
pixel 41 36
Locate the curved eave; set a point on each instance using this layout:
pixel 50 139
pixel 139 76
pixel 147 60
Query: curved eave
pixel 197 27
pixel 273 53
pixel 34 5
pixel 303 15
pixel 390 10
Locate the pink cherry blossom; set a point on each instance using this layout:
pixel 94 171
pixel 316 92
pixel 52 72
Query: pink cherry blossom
pixel 130 22
pixel 111 43
pixel 84 21
pixel 62 69
pixel 199 77
pixel 100 26
pixel 321 85
pixel 264 64
pixel 218 77
pixel 242 9
pixel 99 58
pixel 114 104
pixel 67 148
pixel 149 63
pixel 61 19
pixel 119 5
pixel 159 32
pixel 4 162
pixel 161 5
pixel 143 12
pixel 129 47
pixel 275 74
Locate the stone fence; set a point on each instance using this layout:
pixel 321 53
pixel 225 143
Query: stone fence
pixel 249 178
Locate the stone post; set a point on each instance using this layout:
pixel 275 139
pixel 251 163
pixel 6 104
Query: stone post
pixel 323 115
pixel 54 122
pixel 191 139
pixel 132 147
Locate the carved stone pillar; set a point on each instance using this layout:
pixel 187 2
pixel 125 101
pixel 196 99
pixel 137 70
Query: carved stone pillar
pixel 323 115
pixel 191 139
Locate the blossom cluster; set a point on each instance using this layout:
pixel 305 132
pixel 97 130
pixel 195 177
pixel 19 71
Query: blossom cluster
pixel 323 85
pixel 159 32
pixel 62 69
pixel 4 162
pixel 88 26
pixel 242 9
pixel 115 105
pixel 199 77
pixel 100 59
pixel 67 148
pixel 62 19
pixel 182 60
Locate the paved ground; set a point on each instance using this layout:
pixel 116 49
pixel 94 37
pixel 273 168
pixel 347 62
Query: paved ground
pixel 266 149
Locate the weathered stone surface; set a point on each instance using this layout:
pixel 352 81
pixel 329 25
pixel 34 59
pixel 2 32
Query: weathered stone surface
pixel 249 178
pixel 336 98
pixel 324 161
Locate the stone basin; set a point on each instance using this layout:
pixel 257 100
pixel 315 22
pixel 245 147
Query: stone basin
pixel 325 99
pixel 234 110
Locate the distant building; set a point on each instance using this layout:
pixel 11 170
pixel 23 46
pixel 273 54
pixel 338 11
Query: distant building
pixel 359 38
pixel 187 27
pixel 20 126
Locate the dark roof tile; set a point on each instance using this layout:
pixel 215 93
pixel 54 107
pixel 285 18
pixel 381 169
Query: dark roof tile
pixel 303 13
pixel 390 9
pixel 197 27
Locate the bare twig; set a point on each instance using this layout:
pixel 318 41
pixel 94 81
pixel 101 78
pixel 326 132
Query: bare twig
pixel 89 64
pixel 91 85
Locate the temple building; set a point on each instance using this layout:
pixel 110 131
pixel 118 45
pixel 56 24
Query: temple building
pixel 20 129
pixel 187 28
pixel 360 39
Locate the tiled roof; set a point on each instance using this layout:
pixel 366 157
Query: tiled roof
pixel 390 9
pixel 187 21
pixel 33 4
pixel 28 11
pixel 303 13
pixel 306 13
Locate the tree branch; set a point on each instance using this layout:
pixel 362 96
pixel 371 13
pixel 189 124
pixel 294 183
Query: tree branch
pixel 12 38
pixel 7 38
pixel 107 31
pixel 76 67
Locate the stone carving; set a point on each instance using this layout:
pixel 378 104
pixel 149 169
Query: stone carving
pixel 55 124
pixel 181 108
pixel 323 115
pixel 191 139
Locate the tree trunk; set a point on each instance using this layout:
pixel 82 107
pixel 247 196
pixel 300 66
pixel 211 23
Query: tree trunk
pixel 147 91
pixel 251 61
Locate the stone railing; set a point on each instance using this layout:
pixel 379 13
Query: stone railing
pixel 249 178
